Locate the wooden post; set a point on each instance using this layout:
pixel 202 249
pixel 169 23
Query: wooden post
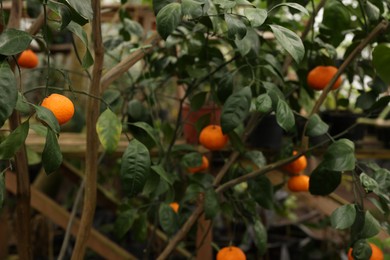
pixel 204 236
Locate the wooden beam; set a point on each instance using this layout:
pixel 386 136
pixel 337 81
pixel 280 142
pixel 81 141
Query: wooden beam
pixel 49 208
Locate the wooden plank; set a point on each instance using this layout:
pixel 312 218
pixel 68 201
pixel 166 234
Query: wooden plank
pixel 49 208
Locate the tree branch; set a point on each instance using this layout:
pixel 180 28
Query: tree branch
pixel 91 157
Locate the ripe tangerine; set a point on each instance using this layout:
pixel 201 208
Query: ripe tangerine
pixel 298 165
pixel 28 59
pixel 231 253
pixel 320 76
pixel 298 183
pixel 175 206
pixel 61 106
pixel 212 137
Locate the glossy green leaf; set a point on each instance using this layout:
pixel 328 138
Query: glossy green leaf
pixel 168 219
pixel 249 42
pixel 34 8
pixel 361 250
pixel 380 60
pixel 235 109
pixel 79 17
pixel 373 12
pixel 192 159
pixel 87 59
pixel 340 156
pixel 316 126
pixel 144 132
pixel 159 4
pixel 62 11
pixel 274 93
pixel 22 104
pixel 236 27
pixel 294 6
pixel 368 183
pixel 135 109
pixel 226 4
pixel 262 192
pixel 285 116
pixel 290 41
pixel 47 118
pixel 109 129
pixel 366 100
pixel 159 170
pixel 151 185
pixel 135 167
pixel 257 157
pixel 263 103
pixel 13 41
pixel 8 92
pixel 260 237
pixel 51 155
pixel 324 181
pixel 211 204
pixel 236 141
pixel 371 226
pixel 124 222
pixel 198 100
pixel 14 141
pixel 256 16
pixel 168 18
pixel 192 8
pixel 343 217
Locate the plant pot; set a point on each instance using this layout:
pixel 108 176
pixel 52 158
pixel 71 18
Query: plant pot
pixel 209 114
pixel 267 134
pixel 340 121
pixel 383 135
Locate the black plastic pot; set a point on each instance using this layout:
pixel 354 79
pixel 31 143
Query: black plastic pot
pixel 340 121
pixel 267 134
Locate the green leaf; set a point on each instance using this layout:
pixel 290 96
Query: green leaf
pixel 343 217
pixel 124 222
pixel 260 237
pixel 249 42
pixel 211 204
pixel 198 100
pixel 159 4
pixel 235 109
pixel 373 12
pixel 340 156
pixel 371 226
pixel 75 28
pixel 284 116
pixel 380 60
pixel 236 27
pixel 256 16
pixel 14 141
pixel 168 219
pixel 13 41
pixel 168 18
pixel 262 192
pixel 47 117
pixel 324 181
pixel 22 104
pixel 192 8
pixel 135 168
pixel 236 141
pixel 257 157
pixel 81 16
pixel 109 129
pixel 263 103
pixel 226 4
pixel 366 100
pixel 316 126
pixel 144 132
pixel 290 41
pixel 51 155
pixel 292 5
pixel 368 183
pixel 159 170
pixel 63 11
pixel 193 159
pixel 8 92
pixel 361 250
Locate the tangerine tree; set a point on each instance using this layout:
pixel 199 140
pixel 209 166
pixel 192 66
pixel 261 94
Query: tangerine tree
pixel 248 60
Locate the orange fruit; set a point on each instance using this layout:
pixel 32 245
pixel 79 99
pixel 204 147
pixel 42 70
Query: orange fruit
pixel 231 253
pixel 212 137
pixel 298 165
pixel 298 183
pixel 320 76
pixel 28 59
pixel 202 167
pixel 376 254
pixel 175 206
pixel 61 106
